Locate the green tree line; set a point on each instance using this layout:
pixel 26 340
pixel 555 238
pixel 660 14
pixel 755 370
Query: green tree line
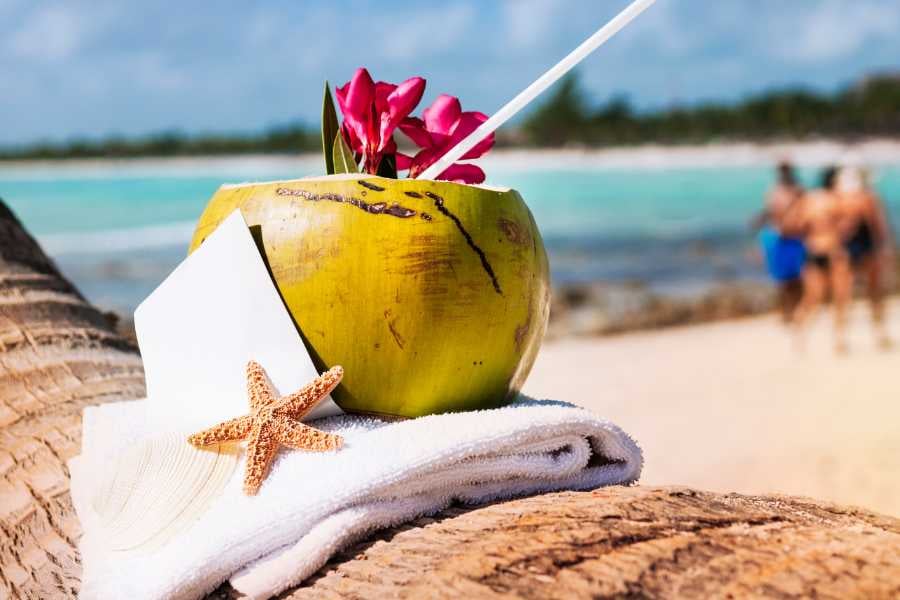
pixel 293 138
pixel 869 108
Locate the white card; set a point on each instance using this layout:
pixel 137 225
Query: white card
pixel 215 312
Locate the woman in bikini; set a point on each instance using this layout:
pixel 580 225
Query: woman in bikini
pixel 867 240
pixel 818 221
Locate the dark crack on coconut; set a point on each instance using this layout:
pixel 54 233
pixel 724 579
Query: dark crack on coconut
pixel 377 208
pixel 439 205
pixel 371 186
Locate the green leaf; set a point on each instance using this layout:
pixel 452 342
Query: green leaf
pixel 388 166
pixel 343 156
pixel 329 129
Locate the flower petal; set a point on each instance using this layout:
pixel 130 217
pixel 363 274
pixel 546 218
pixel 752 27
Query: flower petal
pixel 382 91
pixel 401 101
pixel 467 123
pixel 404 161
pixel 404 98
pixel 442 115
pixel 355 99
pixel 462 173
pixel 351 138
pixel 421 161
pixel 414 129
pixel 341 94
pixel 388 147
pixel 357 94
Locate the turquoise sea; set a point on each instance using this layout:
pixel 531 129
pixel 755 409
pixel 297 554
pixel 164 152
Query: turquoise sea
pixel 117 231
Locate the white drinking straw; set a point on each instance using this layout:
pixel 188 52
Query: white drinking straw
pixel 535 89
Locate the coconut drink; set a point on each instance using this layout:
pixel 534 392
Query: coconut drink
pixel 432 294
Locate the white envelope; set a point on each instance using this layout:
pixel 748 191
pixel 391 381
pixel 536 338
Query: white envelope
pixel 217 310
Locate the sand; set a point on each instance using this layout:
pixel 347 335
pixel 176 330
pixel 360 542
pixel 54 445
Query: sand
pixel 871 152
pixel 733 407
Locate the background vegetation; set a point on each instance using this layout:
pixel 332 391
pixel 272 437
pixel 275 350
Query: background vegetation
pixel 292 138
pixel 869 108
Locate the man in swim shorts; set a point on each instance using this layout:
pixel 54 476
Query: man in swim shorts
pixel 784 255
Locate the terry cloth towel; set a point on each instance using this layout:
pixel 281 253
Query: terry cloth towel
pixel 311 505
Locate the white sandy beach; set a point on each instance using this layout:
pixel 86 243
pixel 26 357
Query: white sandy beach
pixel 731 407
pixel 874 152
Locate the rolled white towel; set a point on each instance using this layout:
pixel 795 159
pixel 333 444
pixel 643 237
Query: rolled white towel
pixel 312 505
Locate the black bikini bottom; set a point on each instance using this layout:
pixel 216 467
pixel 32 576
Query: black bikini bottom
pixel 822 261
pixel 861 243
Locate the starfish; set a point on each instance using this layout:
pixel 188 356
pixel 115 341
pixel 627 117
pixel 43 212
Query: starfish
pixel 274 422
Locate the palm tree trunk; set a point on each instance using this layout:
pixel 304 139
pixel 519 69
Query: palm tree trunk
pixel 59 354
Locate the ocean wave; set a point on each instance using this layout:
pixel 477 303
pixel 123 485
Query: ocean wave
pixel 228 168
pixel 119 240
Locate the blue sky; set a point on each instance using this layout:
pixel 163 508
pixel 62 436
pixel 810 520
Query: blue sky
pixel 96 67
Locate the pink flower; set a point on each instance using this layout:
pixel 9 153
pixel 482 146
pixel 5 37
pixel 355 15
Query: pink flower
pixel 372 111
pixel 445 125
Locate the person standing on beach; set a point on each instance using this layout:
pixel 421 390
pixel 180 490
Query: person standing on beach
pixel 818 220
pixel 784 255
pixel 867 240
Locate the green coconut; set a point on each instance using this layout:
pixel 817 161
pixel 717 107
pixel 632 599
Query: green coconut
pixel 433 296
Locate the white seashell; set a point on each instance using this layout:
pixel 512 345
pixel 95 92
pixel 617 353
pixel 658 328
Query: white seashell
pixel 156 488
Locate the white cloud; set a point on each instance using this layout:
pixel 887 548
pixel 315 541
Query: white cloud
pixel 74 66
pixel 527 22
pixel 835 29
pixel 426 32
pixel 153 72
pixel 667 30
pixel 51 34
pixel 270 33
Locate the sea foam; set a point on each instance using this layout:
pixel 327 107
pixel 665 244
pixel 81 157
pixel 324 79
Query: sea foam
pixel 118 240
